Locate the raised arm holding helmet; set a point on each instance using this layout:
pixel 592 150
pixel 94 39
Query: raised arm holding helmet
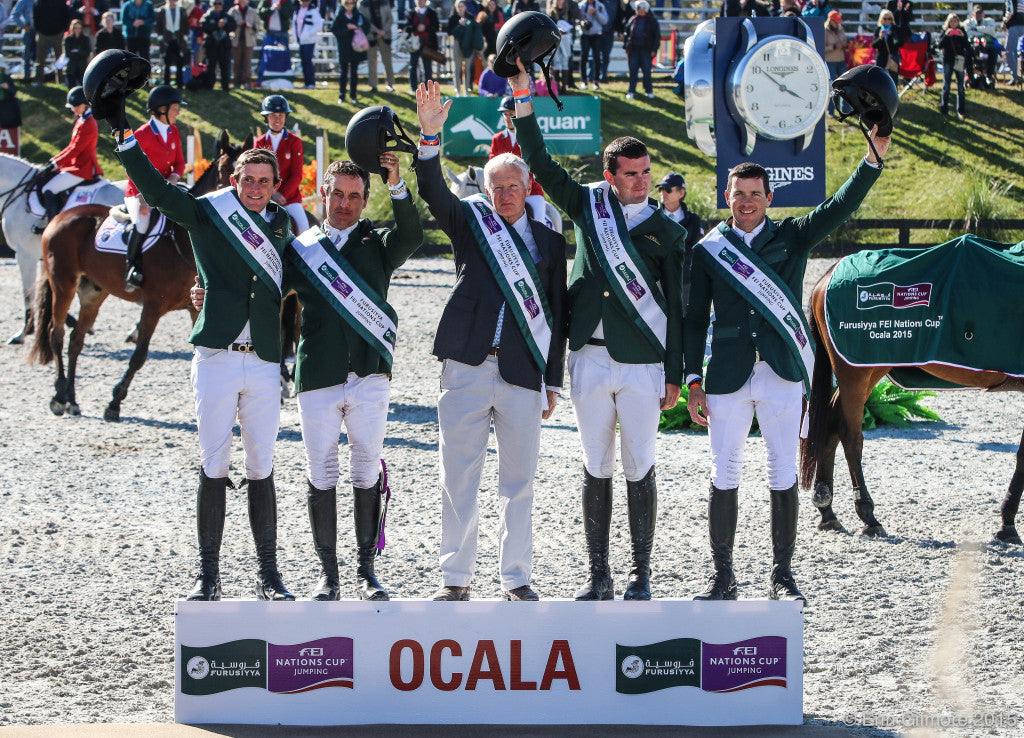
pixel 625 336
pixel 762 354
pixel 160 141
pixel 287 147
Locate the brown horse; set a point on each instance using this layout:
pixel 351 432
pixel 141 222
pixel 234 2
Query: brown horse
pixel 73 265
pixel 837 416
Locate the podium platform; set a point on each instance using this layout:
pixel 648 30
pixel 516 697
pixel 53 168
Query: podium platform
pixel 663 662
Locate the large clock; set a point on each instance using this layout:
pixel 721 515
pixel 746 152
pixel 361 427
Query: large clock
pixel 779 88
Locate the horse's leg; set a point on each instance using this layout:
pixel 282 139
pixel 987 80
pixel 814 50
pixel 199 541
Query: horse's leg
pixel 147 324
pixel 824 477
pixel 90 298
pixel 1008 533
pixel 63 294
pixel 852 402
pixel 28 265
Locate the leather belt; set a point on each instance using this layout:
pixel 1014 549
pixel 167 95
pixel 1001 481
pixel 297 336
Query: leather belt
pixel 493 351
pixel 596 342
pixel 245 348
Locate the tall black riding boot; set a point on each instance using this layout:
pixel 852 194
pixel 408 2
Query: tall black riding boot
pixel 597 522
pixel 368 508
pixel 722 510
pixel 52 206
pixel 210 506
pixel 785 515
pixel 642 501
pixel 323 520
pixel 263 521
pixel 133 270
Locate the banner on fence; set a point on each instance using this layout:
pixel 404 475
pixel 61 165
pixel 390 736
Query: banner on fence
pixel 573 131
pixel 664 662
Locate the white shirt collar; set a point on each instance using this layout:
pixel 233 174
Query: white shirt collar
pixel 338 236
pixel 748 238
pixel 161 127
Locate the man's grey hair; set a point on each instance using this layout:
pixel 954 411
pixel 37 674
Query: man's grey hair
pixel 505 160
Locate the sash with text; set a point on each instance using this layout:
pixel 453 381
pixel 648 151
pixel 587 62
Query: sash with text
pixel 236 223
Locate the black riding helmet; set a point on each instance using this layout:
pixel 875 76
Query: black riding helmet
pixel 507 105
pixel 275 104
pixel 869 93
pixel 373 131
pixel 531 36
pixel 163 96
pixel 110 77
pixel 76 97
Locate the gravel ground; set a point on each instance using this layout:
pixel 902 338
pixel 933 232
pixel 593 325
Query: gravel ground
pixel 97 534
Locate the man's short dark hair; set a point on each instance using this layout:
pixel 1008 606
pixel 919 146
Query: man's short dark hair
pixel 346 168
pixel 749 170
pixel 627 146
pixel 256 156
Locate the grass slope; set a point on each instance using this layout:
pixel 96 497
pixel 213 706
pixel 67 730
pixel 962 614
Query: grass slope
pixel 938 168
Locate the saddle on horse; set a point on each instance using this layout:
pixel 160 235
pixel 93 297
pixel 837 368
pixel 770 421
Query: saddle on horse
pixel 135 238
pixel 51 202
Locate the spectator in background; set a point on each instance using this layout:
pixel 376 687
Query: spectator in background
pixel 1013 22
pixel 89 12
pixel 836 45
pixel 308 24
pixel 172 29
pixel 76 48
pixel 786 9
pixel 816 9
pixel 109 36
pixel 378 15
pixel 673 201
pixel 277 22
pixel 887 44
pixel 643 37
pixel 744 9
pixel 51 19
pixel 217 27
pixel 195 30
pixel 490 84
pixel 467 42
pixel 138 18
pixel 903 14
pixel 956 50
pixel 562 59
pixel 243 41
pixel 346 22
pixel 21 16
pixel 981 32
pixel 491 18
pixel 595 17
pixel 616 23
pixel 424 24
pixel 568 11
pixel 521 6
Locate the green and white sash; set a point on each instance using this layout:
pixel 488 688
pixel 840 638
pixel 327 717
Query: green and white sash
pixel 510 261
pixel 766 292
pixel 251 242
pixel 352 298
pixel 632 284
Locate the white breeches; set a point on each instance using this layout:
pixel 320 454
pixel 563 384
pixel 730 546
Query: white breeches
pixel 62 181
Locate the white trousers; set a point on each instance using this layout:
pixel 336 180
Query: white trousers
pixel 298 214
pixel 229 385
pixel 471 397
pixel 62 181
pixel 132 205
pixel 605 392
pixel 362 404
pixel 778 405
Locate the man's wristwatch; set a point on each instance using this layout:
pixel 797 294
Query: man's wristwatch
pixel 399 189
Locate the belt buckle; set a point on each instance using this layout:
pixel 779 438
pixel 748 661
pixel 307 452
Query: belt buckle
pixel 245 348
pixel 757 356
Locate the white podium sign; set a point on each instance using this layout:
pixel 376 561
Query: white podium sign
pixel 664 662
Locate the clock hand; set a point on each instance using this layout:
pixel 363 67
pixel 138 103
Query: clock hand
pixel 782 87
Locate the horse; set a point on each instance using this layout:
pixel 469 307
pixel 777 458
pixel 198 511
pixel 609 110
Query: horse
pixel 471 182
pixel 73 264
pixel 837 416
pixel 16 178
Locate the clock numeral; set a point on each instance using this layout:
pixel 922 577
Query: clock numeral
pixel 810 106
pixel 810 69
pixel 766 56
pixel 749 88
pixel 814 87
pixel 757 70
pixel 755 106
pixel 767 118
pixel 799 119
pixel 782 124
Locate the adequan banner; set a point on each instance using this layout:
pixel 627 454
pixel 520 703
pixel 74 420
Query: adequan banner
pixel 473 121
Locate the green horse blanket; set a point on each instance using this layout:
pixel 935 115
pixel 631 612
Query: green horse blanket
pixel 960 304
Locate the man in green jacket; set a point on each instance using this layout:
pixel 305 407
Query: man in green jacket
pixel 625 334
pixel 762 356
pixel 343 365
pixel 238 237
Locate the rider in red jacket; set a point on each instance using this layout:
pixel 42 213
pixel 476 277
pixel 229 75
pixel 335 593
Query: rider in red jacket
pixel 77 162
pixel 288 148
pixel 504 142
pixel 161 142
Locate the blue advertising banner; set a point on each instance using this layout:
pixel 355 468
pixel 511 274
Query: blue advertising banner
pixel 771 95
pixel 573 131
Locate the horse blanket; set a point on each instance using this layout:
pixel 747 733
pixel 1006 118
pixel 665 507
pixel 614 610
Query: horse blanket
pixel 956 304
pixel 83 194
pixel 112 236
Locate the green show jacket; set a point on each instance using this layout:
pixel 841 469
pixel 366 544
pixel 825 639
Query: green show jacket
pixel 330 348
pixel 659 240
pixel 739 330
pixel 234 292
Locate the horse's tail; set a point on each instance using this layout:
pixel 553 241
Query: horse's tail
pixel 818 407
pixel 290 325
pixel 42 312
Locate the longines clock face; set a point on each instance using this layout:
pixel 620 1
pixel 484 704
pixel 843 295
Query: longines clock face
pixel 780 88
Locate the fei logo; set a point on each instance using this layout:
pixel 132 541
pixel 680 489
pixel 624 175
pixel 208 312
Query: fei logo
pixel 798 330
pixel 529 301
pixel 887 294
pixel 249 234
pixel 738 265
pixel 490 222
pixel 337 283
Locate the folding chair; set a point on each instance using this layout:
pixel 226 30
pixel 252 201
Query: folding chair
pixel 916 64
